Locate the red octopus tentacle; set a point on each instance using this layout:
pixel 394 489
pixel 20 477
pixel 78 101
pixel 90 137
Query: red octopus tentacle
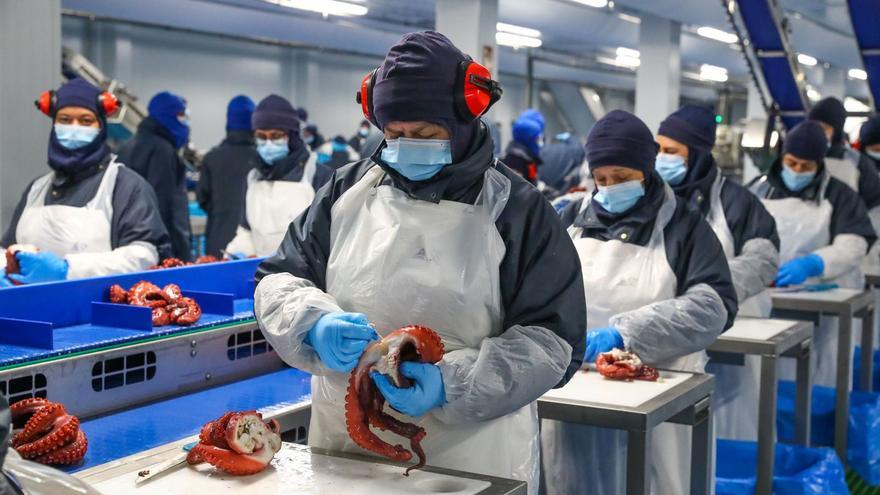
pixel 71 453
pixel 229 461
pixel 65 428
pixel 41 420
pixel 191 311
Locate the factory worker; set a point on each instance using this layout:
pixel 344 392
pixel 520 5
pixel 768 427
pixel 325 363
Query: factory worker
pixel 153 153
pixel 848 165
pixel 363 132
pixel 90 216
pixel 312 137
pixel 337 153
pixel 223 177
pixel 431 230
pixel 657 284
pixel 869 138
pixel 523 153
pixel 824 229
pixel 562 161
pixel 282 185
pixel 747 233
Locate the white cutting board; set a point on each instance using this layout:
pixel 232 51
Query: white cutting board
pixel 833 295
pixel 758 328
pixel 294 470
pixel 594 388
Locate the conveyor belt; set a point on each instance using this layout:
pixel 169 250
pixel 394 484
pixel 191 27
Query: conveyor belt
pixel 121 434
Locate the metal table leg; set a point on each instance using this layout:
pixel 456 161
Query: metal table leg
pixel 701 450
pixel 844 374
pixel 804 395
pixel 866 377
pixel 638 456
pixel 766 425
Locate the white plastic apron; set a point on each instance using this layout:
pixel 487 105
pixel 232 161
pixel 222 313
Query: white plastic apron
pixel 67 230
pixel 404 261
pixel 620 277
pixel 805 226
pixel 273 204
pixel 736 387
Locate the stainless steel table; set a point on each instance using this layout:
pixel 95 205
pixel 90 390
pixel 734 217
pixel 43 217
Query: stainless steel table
pixel 771 340
pixel 683 398
pixel 845 304
pixel 872 282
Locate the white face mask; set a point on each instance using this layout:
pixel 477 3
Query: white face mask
pixel 873 154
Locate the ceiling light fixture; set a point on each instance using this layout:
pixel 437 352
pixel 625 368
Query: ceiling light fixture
pixel 629 18
pixel 857 74
pixel 325 7
pixel 623 51
pixel 807 60
pixel 620 61
pixel 599 4
pixel 713 73
pixel 717 34
pixel 516 40
pixel 520 30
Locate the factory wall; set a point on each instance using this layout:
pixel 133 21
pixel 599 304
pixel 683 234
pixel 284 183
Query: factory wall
pixel 208 70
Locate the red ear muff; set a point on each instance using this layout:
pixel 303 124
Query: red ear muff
pixel 46 102
pixel 365 96
pixel 475 90
pixel 108 103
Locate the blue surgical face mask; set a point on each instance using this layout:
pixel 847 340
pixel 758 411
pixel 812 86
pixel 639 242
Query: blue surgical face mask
pixel 796 181
pixel 417 159
pixel 619 197
pixel 671 168
pixel 309 139
pixel 363 132
pixel 272 150
pixel 874 154
pixel 74 137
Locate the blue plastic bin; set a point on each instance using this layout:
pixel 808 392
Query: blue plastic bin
pixel 797 470
pixel 857 366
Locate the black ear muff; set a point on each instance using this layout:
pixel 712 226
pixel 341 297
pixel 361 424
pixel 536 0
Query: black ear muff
pixel 365 96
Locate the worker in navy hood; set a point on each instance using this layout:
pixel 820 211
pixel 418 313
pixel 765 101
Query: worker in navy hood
pixel 90 216
pixel 523 153
pixel 869 138
pixel 747 233
pixel 431 230
pixel 282 185
pixel 658 285
pixel 223 178
pixel 153 153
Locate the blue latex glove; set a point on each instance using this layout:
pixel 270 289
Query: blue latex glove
pixel 426 393
pixel 42 266
pixel 5 282
pixel 798 270
pixel 602 340
pixel 238 255
pixel 340 339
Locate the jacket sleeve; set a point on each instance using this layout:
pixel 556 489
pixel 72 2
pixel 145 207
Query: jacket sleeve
pixel 138 236
pixel 162 172
pixel 756 241
pixel 203 189
pixel 869 182
pixel 9 235
pixel 705 303
pixel 542 344
pixel 290 296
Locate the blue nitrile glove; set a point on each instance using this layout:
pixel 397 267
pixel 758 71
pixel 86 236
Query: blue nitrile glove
pixel 602 340
pixel 798 270
pixel 426 393
pixel 42 266
pixel 238 255
pixel 340 339
pixel 5 282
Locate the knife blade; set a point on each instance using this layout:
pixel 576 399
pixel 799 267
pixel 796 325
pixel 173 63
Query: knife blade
pixel 164 466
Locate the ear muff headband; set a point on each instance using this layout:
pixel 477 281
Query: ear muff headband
pixel 47 103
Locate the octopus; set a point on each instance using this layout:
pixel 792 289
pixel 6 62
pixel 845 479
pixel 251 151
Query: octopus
pixel 168 304
pixel 364 402
pixel 45 433
pixel 622 365
pixel 176 262
pixel 12 262
pixel 238 443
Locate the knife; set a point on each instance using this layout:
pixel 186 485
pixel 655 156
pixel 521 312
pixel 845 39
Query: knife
pixel 164 466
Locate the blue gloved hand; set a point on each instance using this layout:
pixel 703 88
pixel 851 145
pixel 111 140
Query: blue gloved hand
pixel 238 255
pixel 340 339
pixel 42 266
pixel 601 340
pixel 798 270
pixel 426 393
pixel 5 282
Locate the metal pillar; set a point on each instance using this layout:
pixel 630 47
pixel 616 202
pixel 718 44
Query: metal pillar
pixel 470 24
pixel 833 82
pixel 658 77
pixel 30 63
